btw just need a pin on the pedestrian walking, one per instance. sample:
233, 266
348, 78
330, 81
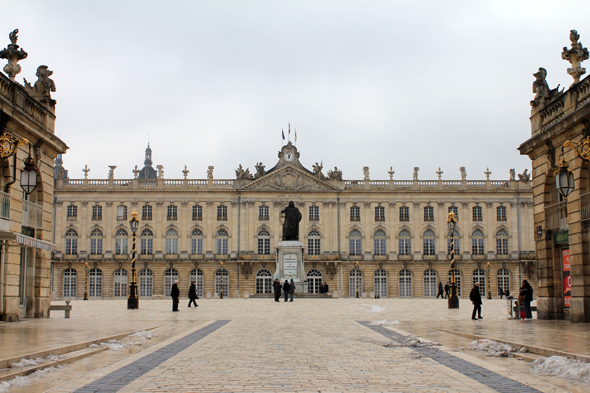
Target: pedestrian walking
440, 291
291, 290
277, 287
526, 292
174, 294
286, 289
475, 298
322, 288
447, 289
192, 294
326, 288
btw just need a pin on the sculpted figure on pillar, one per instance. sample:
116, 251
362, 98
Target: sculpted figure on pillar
576, 55
13, 55
291, 225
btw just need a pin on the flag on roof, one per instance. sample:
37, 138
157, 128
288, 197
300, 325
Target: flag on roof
283, 132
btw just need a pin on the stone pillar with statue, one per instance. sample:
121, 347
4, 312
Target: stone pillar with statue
290, 250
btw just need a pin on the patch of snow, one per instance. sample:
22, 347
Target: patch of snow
492, 348
18, 382
413, 341
574, 370
384, 323
36, 362
143, 335
374, 308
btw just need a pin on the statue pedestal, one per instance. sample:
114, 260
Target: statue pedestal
290, 263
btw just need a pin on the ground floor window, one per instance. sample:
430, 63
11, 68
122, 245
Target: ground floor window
121, 283
355, 282
479, 276
70, 283
95, 283
264, 281
170, 276
503, 280
197, 277
381, 283
146, 283
429, 283
314, 281
222, 282
405, 283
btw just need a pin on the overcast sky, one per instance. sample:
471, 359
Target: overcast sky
365, 83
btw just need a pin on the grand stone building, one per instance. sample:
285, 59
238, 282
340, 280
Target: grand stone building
28, 147
386, 237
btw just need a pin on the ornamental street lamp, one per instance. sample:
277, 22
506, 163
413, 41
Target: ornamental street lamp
86, 271
564, 179
453, 301
28, 176
133, 299
356, 277
221, 269
489, 266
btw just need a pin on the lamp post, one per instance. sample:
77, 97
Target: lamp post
489, 266
564, 179
28, 176
133, 299
86, 271
221, 269
356, 277
453, 301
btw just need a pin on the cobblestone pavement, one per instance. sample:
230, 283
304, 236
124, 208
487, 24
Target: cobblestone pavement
310, 345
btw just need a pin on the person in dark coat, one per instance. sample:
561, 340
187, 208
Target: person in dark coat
322, 288
286, 288
175, 293
440, 291
192, 294
277, 287
526, 291
291, 289
475, 298
447, 290
326, 288
291, 225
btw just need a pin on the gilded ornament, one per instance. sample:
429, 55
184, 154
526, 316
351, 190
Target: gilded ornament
581, 148
9, 144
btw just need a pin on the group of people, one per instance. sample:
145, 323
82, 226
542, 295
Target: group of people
447, 289
288, 289
175, 294
324, 288
525, 297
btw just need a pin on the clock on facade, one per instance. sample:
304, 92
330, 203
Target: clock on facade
289, 157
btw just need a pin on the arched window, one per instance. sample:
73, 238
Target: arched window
456, 243
264, 281
457, 281
429, 283
221, 241
264, 242
222, 282
170, 275
355, 243
171, 242
146, 283
502, 242
405, 242
314, 280
196, 242
313, 243
197, 276
71, 242
95, 283
479, 275
147, 242
477, 242
380, 242
503, 280
429, 243
405, 283
70, 283
95, 242
120, 283
355, 282
381, 283
121, 241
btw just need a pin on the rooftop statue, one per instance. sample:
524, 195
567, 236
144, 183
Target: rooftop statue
243, 174
291, 225
43, 87
366, 173
576, 55
317, 170
541, 89
335, 174
210, 169
259, 170
13, 55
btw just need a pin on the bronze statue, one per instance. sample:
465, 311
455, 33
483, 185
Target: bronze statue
291, 225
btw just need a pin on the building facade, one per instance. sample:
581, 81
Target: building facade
560, 143
389, 238
28, 148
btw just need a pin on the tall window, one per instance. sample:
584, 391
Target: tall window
501, 213
477, 242
147, 242
222, 282
405, 283
70, 281
457, 280
95, 242
477, 213
221, 240
95, 283
314, 280
381, 283
196, 242
502, 242
96, 213
313, 243
503, 280
379, 213
263, 213
314, 213
221, 213
197, 213
72, 212
380, 242
121, 213
264, 242
355, 213
146, 213
455, 210
146, 283
171, 242
404, 213
479, 275
429, 242
197, 276
172, 213
121, 283
355, 243
405, 242
121, 241
355, 282
264, 281
170, 275
428, 213
71, 242
456, 243
429, 283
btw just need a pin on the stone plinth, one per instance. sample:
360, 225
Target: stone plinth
290, 263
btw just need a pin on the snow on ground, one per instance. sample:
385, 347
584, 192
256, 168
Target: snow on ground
384, 323
373, 307
143, 335
36, 362
573, 370
136, 338
18, 382
492, 348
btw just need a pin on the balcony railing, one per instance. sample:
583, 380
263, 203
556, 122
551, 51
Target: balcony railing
556, 215
4, 206
32, 215
198, 218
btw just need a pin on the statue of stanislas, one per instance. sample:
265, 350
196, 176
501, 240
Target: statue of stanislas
291, 225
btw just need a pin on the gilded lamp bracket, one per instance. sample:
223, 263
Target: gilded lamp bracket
9, 144
581, 148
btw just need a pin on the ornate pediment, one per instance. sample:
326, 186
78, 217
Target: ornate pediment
288, 178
